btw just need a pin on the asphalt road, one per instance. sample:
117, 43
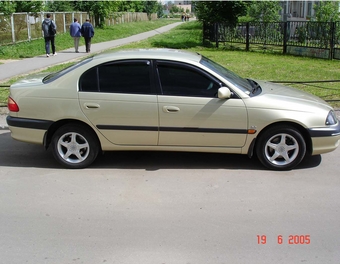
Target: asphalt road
151, 207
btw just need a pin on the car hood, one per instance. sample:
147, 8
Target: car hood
289, 96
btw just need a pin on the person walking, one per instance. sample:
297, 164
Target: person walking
75, 33
87, 32
49, 29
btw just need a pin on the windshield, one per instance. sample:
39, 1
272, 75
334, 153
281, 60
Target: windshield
53, 76
233, 78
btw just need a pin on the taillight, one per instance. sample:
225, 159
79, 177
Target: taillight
12, 105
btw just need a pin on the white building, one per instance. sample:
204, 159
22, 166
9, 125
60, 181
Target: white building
186, 5
298, 10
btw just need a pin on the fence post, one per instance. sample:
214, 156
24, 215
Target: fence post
42, 16
12, 25
216, 33
285, 38
64, 22
28, 27
332, 40
247, 36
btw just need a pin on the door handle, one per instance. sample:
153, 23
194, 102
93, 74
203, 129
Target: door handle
170, 109
91, 105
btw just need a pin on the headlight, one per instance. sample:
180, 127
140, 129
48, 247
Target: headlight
331, 119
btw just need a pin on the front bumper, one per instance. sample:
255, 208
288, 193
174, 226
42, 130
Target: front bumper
325, 139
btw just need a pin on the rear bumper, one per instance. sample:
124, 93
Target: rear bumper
28, 123
28, 130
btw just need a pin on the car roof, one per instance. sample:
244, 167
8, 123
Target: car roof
173, 54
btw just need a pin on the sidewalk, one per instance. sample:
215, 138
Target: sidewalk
14, 68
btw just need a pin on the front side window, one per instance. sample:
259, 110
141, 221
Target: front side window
232, 77
180, 80
132, 77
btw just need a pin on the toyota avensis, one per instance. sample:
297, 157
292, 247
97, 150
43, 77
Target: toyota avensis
167, 100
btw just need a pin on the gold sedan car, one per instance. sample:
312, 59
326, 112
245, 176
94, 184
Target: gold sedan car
167, 100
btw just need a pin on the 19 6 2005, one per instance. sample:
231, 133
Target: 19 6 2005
291, 239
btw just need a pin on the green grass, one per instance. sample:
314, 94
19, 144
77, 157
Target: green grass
3, 96
257, 65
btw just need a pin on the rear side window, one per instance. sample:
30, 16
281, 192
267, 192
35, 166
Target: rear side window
89, 81
131, 77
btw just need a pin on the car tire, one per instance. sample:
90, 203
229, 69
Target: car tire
75, 146
281, 148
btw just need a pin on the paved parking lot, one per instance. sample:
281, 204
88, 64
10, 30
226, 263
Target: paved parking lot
160, 207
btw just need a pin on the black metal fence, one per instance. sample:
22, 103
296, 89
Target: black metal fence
311, 39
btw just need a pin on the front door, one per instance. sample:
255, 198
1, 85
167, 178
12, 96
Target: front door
191, 114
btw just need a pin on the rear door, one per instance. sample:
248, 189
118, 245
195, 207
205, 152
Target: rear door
119, 100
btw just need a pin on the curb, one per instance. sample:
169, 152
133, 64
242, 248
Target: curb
3, 115
3, 123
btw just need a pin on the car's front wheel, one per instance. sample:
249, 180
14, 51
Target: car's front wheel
281, 148
74, 146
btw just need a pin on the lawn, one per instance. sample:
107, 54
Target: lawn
258, 65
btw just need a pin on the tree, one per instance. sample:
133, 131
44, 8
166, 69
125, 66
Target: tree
7, 7
175, 9
264, 11
98, 9
327, 11
59, 6
150, 7
131, 6
28, 6
160, 9
220, 11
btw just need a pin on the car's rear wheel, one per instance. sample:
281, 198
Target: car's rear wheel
74, 146
281, 148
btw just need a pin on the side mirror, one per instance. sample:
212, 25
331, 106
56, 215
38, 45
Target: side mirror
224, 93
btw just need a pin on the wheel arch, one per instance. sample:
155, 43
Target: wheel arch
56, 125
303, 131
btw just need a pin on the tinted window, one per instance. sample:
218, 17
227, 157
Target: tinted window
232, 77
186, 81
89, 81
122, 77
